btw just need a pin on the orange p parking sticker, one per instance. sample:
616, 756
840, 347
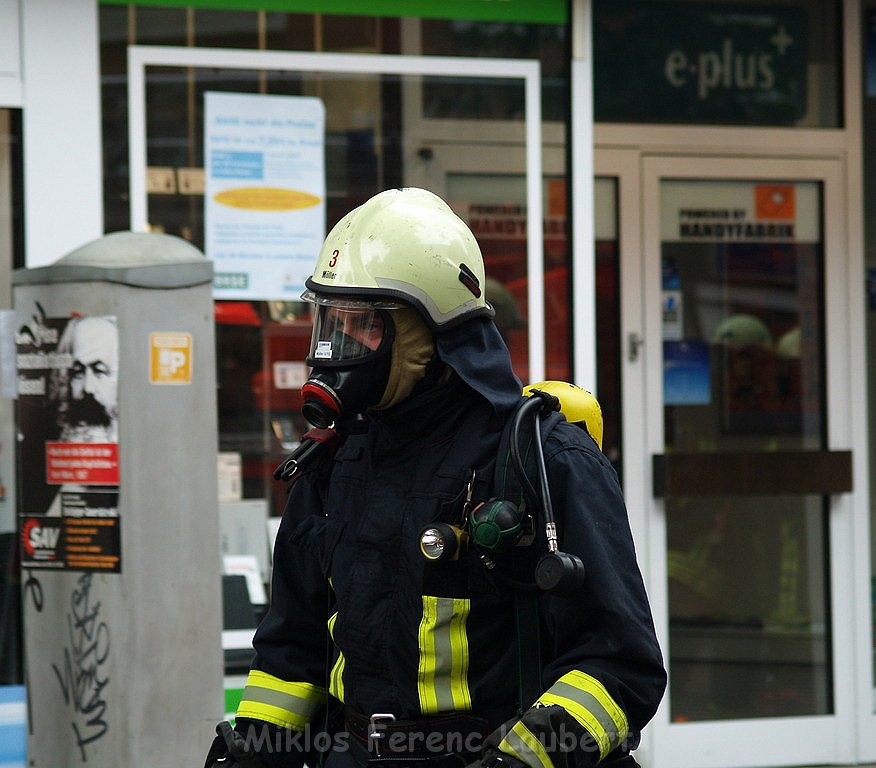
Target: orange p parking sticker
170, 358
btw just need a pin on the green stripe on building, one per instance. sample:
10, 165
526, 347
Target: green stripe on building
526, 11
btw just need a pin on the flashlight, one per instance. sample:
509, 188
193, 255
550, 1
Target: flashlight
440, 541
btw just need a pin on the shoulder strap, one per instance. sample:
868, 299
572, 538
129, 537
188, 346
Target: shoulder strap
507, 484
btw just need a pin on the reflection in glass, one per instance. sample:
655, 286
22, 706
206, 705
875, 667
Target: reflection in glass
744, 372
461, 37
494, 207
608, 348
261, 346
748, 607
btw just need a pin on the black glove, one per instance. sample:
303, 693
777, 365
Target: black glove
493, 758
230, 750
553, 726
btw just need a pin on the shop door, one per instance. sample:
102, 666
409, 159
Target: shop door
739, 370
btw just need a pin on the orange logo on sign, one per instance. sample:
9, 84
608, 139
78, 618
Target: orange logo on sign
774, 201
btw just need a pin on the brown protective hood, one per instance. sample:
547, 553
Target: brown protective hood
412, 349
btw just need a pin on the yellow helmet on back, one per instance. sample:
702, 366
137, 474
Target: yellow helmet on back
578, 405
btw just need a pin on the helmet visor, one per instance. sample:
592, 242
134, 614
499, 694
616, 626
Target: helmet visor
346, 334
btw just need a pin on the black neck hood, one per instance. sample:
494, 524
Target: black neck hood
475, 351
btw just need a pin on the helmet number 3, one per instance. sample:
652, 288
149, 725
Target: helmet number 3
334, 259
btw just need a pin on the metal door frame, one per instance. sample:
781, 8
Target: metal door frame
528, 71
842, 736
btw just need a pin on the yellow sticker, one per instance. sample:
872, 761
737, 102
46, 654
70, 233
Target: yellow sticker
170, 358
266, 199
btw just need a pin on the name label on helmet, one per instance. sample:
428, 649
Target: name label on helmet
328, 274
323, 350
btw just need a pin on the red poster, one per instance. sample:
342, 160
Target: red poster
90, 464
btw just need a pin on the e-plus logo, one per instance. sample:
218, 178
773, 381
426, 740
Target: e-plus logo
727, 68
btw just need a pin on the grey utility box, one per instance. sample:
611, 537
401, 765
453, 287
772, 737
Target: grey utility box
118, 506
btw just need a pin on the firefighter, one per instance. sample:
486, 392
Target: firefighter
372, 652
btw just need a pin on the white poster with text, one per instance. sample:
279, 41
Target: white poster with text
264, 199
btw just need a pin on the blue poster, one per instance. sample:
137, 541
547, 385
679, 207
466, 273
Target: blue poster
686, 373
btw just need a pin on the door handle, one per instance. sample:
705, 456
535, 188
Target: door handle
634, 344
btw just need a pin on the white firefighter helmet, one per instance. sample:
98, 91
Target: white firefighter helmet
742, 329
404, 244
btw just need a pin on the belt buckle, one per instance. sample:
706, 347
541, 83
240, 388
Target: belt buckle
374, 732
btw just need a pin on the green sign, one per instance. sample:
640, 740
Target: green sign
699, 62
528, 11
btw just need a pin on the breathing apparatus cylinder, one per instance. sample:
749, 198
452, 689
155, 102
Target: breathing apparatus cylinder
578, 405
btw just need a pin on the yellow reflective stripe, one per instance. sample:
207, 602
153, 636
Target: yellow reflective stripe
459, 653
442, 674
426, 669
336, 679
302, 690
276, 715
331, 624
521, 743
586, 699
283, 703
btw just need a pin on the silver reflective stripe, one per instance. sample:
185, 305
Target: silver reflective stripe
284, 703
586, 699
442, 676
272, 698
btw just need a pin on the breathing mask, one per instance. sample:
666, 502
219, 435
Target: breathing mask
350, 357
